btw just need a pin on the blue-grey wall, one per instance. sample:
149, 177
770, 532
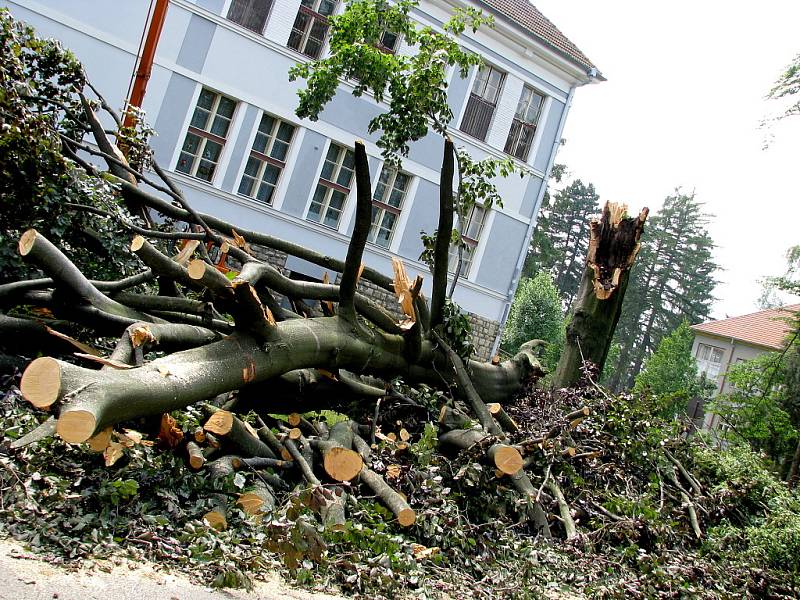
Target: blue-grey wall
240, 149
196, 43
549, 134
424, 215
169, 123
214, 6
374, 173
505, 240
303, 174
457, 93
528, 203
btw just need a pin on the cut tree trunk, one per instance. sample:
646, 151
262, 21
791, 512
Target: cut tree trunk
613, 246
99, 399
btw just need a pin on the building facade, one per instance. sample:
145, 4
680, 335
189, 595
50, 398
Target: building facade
221, 103
718, 345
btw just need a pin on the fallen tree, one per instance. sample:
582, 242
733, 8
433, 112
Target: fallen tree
198, 335
143, 377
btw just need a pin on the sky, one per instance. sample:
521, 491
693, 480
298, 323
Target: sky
682, 107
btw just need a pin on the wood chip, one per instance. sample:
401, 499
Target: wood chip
113, 453
169, 433
85, 348
115, 364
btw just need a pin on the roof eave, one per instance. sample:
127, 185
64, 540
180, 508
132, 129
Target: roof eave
588, 72
721, 336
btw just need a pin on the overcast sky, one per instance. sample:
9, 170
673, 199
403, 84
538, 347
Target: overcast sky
682, 107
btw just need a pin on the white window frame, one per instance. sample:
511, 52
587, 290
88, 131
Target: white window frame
705, 366
265, 158
521, 124
312, 12
470, 251
331, 186
383, 206
479, 102
205, 135
227, 10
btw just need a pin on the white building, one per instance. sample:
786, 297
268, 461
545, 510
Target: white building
223, 108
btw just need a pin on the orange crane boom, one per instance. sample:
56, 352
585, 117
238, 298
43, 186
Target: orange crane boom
145, 66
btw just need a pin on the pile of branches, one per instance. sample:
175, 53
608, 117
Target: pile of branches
186, 333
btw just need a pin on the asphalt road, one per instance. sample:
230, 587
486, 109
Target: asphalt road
25, 577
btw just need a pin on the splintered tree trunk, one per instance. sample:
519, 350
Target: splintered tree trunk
613, 246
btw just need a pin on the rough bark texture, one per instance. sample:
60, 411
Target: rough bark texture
613, 246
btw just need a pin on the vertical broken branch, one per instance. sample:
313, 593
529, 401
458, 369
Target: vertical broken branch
355, 251
441, 255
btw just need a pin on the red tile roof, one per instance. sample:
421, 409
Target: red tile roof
767, 328
525, 15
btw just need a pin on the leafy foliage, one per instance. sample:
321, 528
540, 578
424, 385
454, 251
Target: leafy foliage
39, 99
414, 87
536, 315
671, 371
759, 409
788, 86
456, 330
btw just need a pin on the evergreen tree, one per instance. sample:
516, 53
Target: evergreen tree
672, 280
561, 239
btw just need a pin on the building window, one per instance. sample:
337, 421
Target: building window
311, 26
267, 159
709, 361
333, 187
387, 202
482, 102
251, 14
470, 237
206, 135
389, 42
523, 127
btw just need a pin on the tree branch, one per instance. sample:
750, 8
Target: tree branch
355, 251
443, 234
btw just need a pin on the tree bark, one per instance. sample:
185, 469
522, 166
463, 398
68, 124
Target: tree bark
613, 245
443, 234
178, 380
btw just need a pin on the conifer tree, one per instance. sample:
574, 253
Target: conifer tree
673, 280
561, 238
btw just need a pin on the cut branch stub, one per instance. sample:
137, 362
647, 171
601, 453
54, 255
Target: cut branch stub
225, 423
41, 382
507, 459
258, 500
196, 457
221, 422
396, 503
342, 464
209, 277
